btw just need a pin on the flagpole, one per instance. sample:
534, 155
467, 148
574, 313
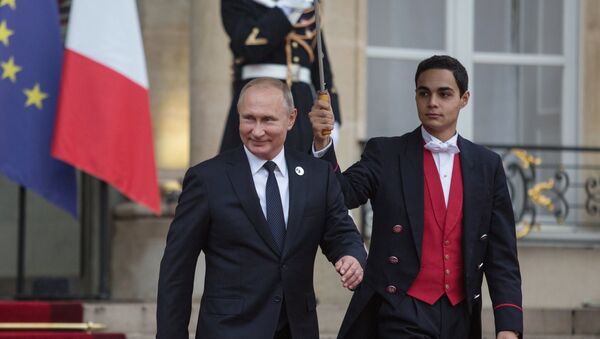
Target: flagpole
21, 242
103, 289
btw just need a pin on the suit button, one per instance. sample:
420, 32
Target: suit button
479, 266
397, 229
294, 44
391, 289
446, 242
393, 260
277, 299
483, 237
284, 267
447, 271
447, 287
446, 257
296, 59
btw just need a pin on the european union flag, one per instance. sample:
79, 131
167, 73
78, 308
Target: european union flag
31, 54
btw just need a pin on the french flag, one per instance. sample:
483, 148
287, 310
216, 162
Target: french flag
103, 124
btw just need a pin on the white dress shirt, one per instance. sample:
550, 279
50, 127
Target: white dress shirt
444, 161
260, 175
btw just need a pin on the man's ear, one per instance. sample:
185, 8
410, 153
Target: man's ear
464, 100
292, 120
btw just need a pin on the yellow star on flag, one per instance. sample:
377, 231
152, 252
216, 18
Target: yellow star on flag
10, 69
5, 33
35, 96
10, 3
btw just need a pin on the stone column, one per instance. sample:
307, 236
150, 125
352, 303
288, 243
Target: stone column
345, 30
166, 34
210, 78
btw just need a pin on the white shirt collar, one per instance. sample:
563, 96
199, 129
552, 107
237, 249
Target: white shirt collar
256, 164
428, 137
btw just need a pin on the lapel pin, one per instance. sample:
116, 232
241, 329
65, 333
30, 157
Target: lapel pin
299, 170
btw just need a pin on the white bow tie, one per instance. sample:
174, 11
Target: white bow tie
441, 147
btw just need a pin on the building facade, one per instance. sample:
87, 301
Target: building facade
534, 67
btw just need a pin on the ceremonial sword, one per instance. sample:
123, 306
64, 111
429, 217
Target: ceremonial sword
322, 93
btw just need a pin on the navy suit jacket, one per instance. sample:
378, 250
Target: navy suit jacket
390, 175
247, 276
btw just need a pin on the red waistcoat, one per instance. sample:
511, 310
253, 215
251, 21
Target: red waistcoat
441, 260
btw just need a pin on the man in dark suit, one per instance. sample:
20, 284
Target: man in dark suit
276, 38
258, 212
442, 218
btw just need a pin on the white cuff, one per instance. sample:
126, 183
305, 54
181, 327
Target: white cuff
321, 153
335, 134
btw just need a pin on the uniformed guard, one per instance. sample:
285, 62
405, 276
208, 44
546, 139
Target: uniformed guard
277, 39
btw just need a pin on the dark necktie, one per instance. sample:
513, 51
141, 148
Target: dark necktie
274, 207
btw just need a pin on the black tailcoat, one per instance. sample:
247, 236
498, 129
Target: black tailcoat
390, 175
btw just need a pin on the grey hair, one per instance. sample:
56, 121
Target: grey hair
288, 100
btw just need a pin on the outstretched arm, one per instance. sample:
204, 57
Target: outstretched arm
359, 182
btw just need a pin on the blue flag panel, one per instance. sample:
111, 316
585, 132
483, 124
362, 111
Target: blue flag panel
31, 54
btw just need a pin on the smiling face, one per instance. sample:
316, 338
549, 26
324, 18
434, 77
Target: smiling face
438, 102
264, 120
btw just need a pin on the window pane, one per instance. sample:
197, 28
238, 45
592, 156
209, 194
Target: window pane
517, 104
407, 23
519, 26
8, 241
53, 240
390, 97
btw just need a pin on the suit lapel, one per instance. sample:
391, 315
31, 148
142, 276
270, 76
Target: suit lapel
471, 176
297, 192
411, 168
243, 185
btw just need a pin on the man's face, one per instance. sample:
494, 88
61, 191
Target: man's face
439, 101
264, 122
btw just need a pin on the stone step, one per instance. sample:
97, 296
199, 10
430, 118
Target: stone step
138, 320
333, 336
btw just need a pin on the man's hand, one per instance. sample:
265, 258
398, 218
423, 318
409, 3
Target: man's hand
507, 335
350, 270
321, 118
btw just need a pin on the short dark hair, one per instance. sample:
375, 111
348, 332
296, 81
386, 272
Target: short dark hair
449, 63
286, 93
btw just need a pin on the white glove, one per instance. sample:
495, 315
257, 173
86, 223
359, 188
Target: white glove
293, 8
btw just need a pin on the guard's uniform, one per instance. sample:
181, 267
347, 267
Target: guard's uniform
265, 44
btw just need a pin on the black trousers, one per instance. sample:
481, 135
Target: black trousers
411, 318
283, 333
